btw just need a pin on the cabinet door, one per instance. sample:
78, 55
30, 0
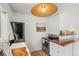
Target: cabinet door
76, 49
59, 50
52, 49
68, 50
52, 52
56, 50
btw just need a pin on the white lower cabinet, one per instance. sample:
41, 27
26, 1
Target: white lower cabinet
68, 50
76, 49
58, 50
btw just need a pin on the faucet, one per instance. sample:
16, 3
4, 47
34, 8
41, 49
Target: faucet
11, 40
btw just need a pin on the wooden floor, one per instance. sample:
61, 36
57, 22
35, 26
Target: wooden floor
1, 53
35, 53
38, 53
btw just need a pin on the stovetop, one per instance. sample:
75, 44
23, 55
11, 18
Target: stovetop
48, 39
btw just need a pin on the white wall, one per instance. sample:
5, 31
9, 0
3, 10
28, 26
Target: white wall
31, 36
53, 24
69, 16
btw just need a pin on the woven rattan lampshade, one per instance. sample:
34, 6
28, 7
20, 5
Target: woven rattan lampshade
44, 9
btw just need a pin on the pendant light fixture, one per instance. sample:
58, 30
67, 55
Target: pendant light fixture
44, 9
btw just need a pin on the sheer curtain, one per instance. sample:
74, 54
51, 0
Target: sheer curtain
5, 31
5, 25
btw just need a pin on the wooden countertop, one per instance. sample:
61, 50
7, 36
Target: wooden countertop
19, 49
20, 52
64, 42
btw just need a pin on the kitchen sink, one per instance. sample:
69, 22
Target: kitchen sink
8, 50
17, 45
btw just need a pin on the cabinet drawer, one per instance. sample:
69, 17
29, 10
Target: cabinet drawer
56, 50
68, 50
60, 52
76, 54
53, 53
54, 45
56, 53
76, 51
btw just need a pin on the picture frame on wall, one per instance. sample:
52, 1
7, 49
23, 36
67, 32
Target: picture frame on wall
40, 27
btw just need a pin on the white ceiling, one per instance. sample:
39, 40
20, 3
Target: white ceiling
26, 7
21, 7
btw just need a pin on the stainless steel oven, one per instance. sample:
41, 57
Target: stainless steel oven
46, 42
45, 45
